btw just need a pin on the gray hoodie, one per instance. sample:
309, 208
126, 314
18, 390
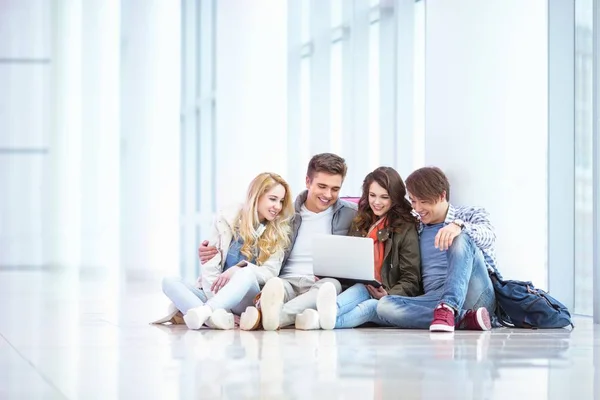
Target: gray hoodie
343, 214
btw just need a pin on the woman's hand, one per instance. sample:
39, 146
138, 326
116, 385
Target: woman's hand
377, 293
223, 279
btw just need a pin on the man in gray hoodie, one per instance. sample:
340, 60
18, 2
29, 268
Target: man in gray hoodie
318, 211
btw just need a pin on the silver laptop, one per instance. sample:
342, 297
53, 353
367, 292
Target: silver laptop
346, 258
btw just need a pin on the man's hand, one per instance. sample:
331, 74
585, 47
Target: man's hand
446, 235
223, 279
377, 293
206, 252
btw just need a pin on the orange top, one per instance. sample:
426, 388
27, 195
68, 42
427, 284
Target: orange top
379, 246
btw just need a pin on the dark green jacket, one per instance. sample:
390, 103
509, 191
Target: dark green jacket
401, 269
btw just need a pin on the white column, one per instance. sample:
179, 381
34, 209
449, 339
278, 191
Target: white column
487, 119
101, 48
596, 174
25, 75
356, 148
406, 84
390, 22
150, 131
251, 94
320, 77
62, 181
295, 162
561, 151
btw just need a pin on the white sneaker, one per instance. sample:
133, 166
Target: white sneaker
308, 320
197, 316
327, 305
221, 319
271, 301
250, 319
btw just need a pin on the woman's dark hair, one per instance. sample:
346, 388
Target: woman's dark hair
399, 213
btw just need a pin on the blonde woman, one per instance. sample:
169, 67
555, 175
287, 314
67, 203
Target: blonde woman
251, 240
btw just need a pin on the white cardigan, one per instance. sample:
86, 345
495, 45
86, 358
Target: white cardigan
221, 237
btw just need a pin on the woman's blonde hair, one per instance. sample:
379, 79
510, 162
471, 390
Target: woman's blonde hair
276, 235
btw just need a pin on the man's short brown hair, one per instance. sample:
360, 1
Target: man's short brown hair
329, 163
428, 183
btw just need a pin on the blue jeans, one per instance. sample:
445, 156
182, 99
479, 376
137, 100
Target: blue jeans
236, 295
356, 307
467, 286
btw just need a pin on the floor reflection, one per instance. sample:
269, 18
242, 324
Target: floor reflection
75, 336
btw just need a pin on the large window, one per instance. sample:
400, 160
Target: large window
305, 108
374, 93
197, 129
419, 86
342, 53
584, 239
337, 92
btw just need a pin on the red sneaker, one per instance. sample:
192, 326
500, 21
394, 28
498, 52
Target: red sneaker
476, 320
443, 319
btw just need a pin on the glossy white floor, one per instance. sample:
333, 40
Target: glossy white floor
87, 337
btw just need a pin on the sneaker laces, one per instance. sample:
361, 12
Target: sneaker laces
444, 314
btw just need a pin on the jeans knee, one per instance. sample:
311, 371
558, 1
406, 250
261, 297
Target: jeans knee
245, 274
335, 282
461, 244
245, 278
369, 306
385, 307
360, 286
168, 283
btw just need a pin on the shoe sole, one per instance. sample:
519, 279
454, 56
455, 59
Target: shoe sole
193, 321
223, 320
250, 319
327, 306
441, 328
271, 302
307, 321
483, 319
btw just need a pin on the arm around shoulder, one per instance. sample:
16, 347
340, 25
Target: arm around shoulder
211, 270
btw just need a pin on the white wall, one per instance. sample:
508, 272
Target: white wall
251, 94
486, 118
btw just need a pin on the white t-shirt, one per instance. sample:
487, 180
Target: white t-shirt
300, 262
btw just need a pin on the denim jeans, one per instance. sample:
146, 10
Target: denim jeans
183, 294
467, 286
236, 295
356, 307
